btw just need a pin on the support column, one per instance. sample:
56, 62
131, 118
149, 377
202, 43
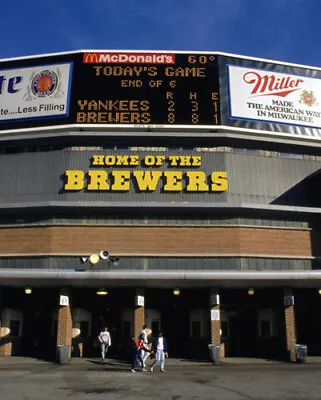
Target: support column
290, 328
215, 319
215, 316
64, 325
139, 312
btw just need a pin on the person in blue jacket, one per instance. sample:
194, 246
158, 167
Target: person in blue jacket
138, 347
159, 347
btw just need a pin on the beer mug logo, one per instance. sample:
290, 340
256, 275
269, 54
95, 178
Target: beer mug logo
44, 83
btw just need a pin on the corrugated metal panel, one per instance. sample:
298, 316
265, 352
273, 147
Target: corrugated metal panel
253, 178
158, 263
261, 179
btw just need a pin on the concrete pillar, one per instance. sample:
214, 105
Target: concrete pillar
215, 316
290, 328
64, 325
139, 312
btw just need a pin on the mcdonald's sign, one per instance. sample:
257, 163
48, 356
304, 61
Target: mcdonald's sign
129, 58
91, 58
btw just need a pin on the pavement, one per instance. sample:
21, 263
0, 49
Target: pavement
174, 362
234, 379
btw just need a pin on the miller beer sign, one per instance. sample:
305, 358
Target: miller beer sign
274, 97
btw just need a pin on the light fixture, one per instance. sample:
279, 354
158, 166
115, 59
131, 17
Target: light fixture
28, 290
103, 255
114, 260
319, 291
176, 292
94, 258
250, 292
102, 292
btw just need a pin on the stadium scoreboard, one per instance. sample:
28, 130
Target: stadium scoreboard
148, 89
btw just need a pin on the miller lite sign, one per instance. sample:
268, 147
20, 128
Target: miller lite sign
35, 92
270, 96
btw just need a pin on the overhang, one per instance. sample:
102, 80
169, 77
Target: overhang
162, 279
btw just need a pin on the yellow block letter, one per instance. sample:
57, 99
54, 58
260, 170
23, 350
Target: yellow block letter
173, 181
196, 182
98, 180
98, 160
121, 181
147, 180
75, 180
219, 181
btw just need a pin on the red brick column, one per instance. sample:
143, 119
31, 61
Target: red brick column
215, 324
139, 314
215, 318
290, 327
64, 325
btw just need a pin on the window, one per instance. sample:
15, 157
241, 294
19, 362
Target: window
14, 327
155, 327
196, 329
267, 323
265, 328
55, 328
224, 328
126, 329
84, 328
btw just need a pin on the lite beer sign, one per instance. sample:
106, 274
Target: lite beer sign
149, 179
274, 97
35, 92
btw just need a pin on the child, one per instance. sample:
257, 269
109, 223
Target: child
138, 347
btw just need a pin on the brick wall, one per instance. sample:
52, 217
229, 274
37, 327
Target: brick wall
157, 240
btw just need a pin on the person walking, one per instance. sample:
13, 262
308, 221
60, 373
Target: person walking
144, 335
160, 348
105, 342
138, 348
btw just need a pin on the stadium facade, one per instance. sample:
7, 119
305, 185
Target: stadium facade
183, 186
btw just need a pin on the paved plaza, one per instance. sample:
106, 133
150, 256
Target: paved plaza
29, 379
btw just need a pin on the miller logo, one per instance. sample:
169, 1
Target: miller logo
44, 83
271, 84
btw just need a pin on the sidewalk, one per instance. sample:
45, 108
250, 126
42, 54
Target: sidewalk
174, 362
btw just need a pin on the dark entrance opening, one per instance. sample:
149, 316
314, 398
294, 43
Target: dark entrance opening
32, 329
183, 335
307, 306
254, 324
105, 310
40, 328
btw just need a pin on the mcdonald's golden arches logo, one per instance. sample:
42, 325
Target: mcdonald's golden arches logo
91, 58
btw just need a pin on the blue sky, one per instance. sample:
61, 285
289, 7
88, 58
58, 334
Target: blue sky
285, 30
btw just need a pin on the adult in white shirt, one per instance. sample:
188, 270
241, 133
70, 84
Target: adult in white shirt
143, 335
105, 341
